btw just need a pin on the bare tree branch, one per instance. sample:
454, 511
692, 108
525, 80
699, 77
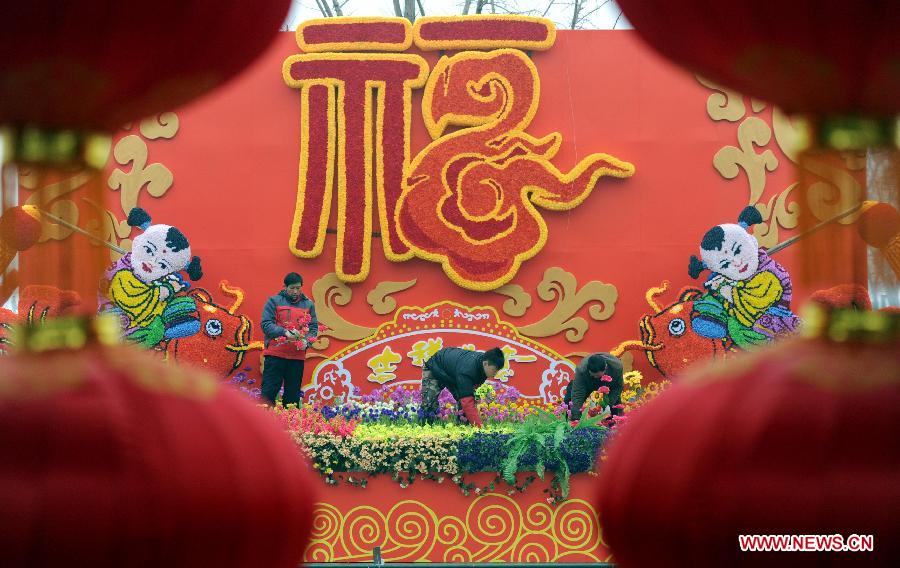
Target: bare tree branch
323, 7
337, 7
421, 8
397, 11
466, 7
550, 5
586, 15
576, 10
409, 10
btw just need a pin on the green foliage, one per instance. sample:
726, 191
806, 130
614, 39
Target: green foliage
539, 440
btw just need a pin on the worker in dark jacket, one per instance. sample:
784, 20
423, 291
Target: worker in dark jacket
595, 371
290, 325
460, 371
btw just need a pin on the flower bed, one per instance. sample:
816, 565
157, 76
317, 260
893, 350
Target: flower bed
381, 434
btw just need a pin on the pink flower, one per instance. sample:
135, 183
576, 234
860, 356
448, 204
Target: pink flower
604, 389
619, 406
606, 379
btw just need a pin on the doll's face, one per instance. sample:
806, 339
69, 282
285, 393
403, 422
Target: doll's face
738, 259
153, 258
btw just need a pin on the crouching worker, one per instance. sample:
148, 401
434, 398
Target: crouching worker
460, 371
592, 374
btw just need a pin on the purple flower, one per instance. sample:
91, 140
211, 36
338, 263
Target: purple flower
508, 394
400, 396
445, 397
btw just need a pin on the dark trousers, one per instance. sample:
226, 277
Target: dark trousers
278, 371
430, 390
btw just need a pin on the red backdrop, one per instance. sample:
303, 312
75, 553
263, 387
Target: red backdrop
235, 158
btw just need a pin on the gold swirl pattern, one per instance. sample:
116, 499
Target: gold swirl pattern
780, 213
519, 300
838, 191
106, 226
493, 528
163, 125
47, 197
155, 177
563, 286
363, 529
329, 291
414, 528
539, 548
457, 554
538, 517
319, 551
380, 298
110, 229
752, 133
575, 525
723, 104
829, 188
326, 522
451, 530
495, 524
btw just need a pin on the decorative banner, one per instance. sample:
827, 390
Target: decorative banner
397, 350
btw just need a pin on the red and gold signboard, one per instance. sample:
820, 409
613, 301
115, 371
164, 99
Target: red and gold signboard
396, 352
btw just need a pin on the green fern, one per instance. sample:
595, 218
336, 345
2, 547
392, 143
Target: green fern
544, 434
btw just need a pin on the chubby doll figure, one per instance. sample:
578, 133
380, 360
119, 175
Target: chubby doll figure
142, 287
748, 297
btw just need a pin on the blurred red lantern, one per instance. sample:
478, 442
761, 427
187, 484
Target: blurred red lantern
112, 458
823, 58
20, 229
799, 439
879, 226
73, 72
96, 64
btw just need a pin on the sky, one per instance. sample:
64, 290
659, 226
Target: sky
603, 14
